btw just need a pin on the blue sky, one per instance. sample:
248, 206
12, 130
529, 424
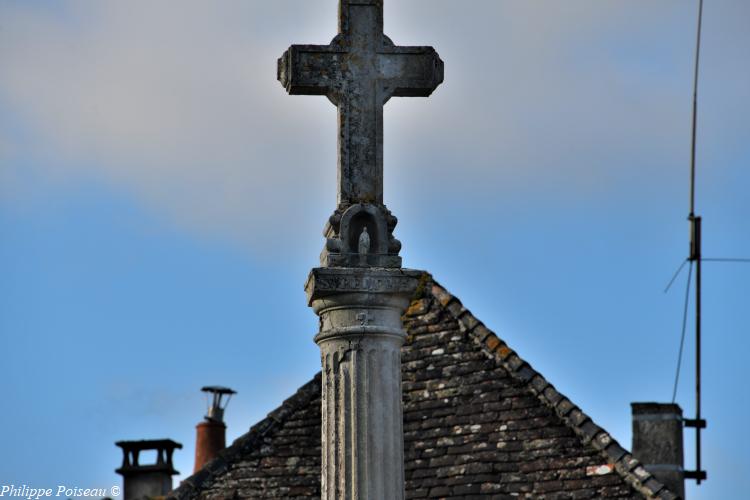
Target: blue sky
162, 200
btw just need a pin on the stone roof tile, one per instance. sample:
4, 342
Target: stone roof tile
629, 468
479, 422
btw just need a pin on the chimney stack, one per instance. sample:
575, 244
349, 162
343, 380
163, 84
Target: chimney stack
142, 481
657, 442
210, 436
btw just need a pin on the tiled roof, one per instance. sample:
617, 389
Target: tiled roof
479, 421
294, 429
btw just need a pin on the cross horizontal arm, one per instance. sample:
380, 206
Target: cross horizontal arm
310, 69
410, 71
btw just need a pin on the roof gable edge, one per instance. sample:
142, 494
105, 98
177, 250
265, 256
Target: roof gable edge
191, 486
627, 466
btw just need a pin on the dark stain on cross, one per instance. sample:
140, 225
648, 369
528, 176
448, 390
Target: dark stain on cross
359, 71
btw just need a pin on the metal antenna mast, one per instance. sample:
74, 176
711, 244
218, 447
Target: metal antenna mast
695, 257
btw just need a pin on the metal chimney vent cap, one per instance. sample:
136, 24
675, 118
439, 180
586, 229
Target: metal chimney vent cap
217, 389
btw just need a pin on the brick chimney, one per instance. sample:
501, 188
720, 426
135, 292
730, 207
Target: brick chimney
142, 481
210, 436
657, 442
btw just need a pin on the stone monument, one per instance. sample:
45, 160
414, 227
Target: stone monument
360, 291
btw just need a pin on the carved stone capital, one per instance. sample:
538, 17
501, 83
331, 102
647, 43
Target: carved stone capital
370, 285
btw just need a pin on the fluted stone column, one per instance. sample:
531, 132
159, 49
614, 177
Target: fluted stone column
360, 341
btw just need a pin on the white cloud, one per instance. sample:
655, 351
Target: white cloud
177, 103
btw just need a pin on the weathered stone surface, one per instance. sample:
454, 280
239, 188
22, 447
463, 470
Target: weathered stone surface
344, 229
468, 421
378, 283
360, 312
657, 442
360, 341
359, 71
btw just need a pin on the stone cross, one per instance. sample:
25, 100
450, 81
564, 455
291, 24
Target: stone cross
360, 291
359, 71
